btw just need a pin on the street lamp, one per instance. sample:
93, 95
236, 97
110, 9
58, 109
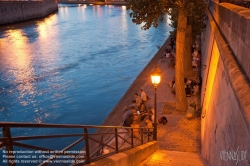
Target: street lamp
156, 78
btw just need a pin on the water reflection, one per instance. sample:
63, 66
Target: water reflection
72, 66
64, 11
43, 27
97, 9
20, 62
23, 52
124, 19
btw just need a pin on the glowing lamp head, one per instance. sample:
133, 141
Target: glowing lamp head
156, 76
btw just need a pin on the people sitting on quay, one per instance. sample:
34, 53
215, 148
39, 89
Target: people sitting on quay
191, 88
173, 43
171, 83
143, 111
129, 120
173, 88
135, 125
132, 110
143, 95
134, 103
196, 60
138, 100
169, 51
131, 116
149, 124
151, 114
166, 54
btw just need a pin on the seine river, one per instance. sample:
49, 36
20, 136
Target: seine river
73, 66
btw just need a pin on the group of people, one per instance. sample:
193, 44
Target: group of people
192, 86
138, 114
170, 53
196, 60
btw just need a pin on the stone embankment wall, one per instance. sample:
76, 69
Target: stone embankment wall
225, 96
16, 11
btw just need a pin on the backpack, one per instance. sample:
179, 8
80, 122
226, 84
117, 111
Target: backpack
163, 120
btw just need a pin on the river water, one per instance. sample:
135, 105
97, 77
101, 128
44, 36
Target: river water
73, 66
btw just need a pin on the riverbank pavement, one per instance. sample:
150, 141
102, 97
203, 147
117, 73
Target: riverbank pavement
180, 139
179, 134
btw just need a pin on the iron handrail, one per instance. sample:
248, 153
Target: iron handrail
94, 143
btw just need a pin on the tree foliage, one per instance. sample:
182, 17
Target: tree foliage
149, 12
196, 14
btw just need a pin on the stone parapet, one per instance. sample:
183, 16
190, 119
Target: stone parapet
234, 24
130, 157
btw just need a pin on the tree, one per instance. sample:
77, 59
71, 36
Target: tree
181, 101
150, 12
195, 24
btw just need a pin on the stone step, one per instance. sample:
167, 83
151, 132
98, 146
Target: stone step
174, 158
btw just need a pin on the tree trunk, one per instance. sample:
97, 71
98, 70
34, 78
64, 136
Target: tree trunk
181, 100
188, 70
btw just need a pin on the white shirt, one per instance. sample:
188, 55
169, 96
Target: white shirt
143, 96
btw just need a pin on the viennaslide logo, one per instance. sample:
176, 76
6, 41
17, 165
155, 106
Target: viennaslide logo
234, 155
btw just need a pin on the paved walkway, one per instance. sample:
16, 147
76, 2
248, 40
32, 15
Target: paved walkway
180, 133
179, 140
174, 158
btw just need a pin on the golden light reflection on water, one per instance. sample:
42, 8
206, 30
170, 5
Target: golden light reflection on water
44, 27
64, 11
19, 61
124, 19
16, 52
98, 10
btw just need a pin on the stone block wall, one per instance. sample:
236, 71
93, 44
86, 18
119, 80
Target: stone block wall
16, 11
234, 23
225, 128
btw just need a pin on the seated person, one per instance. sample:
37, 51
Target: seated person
143, 96
136, 117
135, 103
171, 83
138, 100
151, 115
129, 120
143, 111
149, 125
131, 111
135, 127
168, 55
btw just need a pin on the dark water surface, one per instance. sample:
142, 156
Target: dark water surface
73, 66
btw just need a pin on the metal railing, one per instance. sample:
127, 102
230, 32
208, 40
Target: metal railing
105, 141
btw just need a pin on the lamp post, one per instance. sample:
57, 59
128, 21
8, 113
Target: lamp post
156, 78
